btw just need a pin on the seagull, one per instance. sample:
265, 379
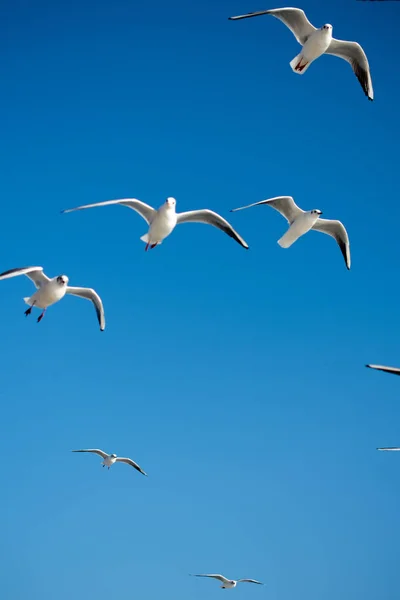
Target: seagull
110, 459
163, 221
316, 42
394, 370
51, 291
301, 221
228, 584
389, 449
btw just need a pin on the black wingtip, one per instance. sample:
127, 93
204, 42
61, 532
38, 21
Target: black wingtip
368, 366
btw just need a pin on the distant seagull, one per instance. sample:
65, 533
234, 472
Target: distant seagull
300, 222
316, 42
163, 221
393, 370
110, 459
230, 583
389, 449
51, 291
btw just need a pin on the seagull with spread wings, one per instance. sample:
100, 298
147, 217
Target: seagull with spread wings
164, 220
228, 584
316, 42
50, 291
110, 459
301, 221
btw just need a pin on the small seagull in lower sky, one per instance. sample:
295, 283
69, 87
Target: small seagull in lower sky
163, 221
228, 584
394, 370
110, 459
50, 291
301, 221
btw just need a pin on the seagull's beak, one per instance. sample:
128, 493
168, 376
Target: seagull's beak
320, 213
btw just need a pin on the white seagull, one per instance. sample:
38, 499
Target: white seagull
389, 449
163, 221
110, 459
228, 584
301, 221
51, 291
316, 42
394, 370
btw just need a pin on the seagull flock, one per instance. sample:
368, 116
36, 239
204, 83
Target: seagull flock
162, 221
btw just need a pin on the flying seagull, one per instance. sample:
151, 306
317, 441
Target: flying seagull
316, 42
394, 370
389, 449
230, 583
110, 459
163, 221
50, 291
301, 221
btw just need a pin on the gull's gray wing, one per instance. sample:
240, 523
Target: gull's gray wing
394, 370
390, 449
144, 210
211, 218
132, 463
219, 577
251, 581
294, 18
336, 230
34, 273
94, 451
91, 295
355, 55
283, 204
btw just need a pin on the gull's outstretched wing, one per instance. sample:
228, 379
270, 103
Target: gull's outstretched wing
283, 204
251, 581
93, 451
219, 577
91, 295
389, 449
294, 18
394, 370
355, 55
336, 230
210, 217
144, 210
132, 463
34, 273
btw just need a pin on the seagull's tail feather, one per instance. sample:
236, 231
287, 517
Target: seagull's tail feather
28, 300
145, 238
299, 64
288, 239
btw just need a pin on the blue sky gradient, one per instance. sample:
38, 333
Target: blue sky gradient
235, 378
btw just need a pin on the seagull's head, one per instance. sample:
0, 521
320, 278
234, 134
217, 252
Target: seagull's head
316, 212
62, 279
113, 456
327, 27
170, 202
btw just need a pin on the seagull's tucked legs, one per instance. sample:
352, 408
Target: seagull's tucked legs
300, 67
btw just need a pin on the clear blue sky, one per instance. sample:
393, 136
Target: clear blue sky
235, 378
